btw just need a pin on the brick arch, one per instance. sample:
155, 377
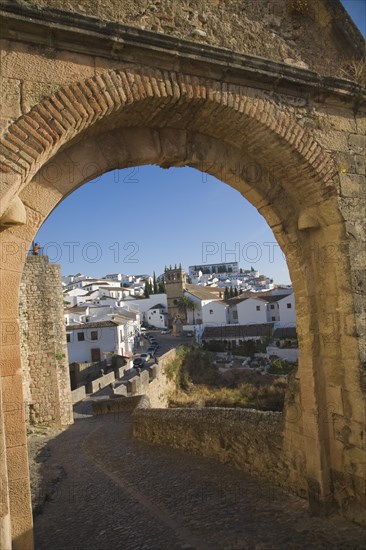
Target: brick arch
116, 96
89, 110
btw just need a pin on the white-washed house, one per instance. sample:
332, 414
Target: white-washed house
93, 342
156, 316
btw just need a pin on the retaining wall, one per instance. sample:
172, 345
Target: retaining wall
250, 440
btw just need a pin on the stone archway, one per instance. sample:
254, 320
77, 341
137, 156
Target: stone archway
136, 116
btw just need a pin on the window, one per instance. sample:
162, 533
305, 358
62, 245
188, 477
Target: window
81, 337
211, 311
258, 308
94, 335
273, 318
289, 306
68, 339
272, 306
235, 315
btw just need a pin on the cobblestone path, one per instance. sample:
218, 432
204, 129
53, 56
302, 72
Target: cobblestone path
107, 491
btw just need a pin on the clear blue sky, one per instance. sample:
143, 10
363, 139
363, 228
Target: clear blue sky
139, 222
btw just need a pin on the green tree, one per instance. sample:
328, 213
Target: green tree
236, 293
155, 285
226, 293
147, 289
231, 292
186, 304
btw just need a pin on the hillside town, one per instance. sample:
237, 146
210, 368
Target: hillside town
218, 303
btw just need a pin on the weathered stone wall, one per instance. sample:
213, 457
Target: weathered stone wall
293, 31
250, 440
46, 380
160, 387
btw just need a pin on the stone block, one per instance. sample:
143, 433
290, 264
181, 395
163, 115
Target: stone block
352, 185
21, 514
360, 165
14, 416
173, 145
13, 252
29, 64
12, 390
10, 363
10, 98
41, 196
357, 144
9, 289
17, 462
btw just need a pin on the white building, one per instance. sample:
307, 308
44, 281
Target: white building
251, 311
287, 311
90, 342
223, 267
157, 316
144, 304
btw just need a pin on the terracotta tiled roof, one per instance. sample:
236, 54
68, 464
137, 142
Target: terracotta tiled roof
237, 331
285, 332
97, 324
205, 293
76, 309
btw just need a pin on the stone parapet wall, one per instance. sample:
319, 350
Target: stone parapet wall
123, 404
101, 382
78, 395
249, 440
82, 373
153, 382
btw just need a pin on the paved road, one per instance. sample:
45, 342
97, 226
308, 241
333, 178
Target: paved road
109, 492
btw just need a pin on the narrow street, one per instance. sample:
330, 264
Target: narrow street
105, 490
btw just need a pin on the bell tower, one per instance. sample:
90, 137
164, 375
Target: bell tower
175, 284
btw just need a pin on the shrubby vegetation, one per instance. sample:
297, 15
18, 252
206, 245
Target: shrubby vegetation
200, 383
280, 366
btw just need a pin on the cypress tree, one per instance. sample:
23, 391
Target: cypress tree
147, 289
155, 284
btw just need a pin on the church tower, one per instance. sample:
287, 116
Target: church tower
175, 284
